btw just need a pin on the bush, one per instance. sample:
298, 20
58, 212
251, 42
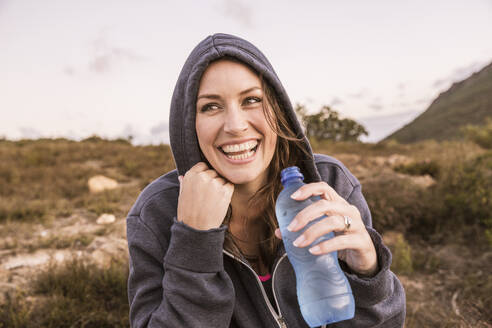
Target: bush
395, 203
419, 168
467, 194
402, 253
75, 294
459, 206
480, 134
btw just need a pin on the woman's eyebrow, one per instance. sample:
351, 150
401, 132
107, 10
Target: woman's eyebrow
212, 96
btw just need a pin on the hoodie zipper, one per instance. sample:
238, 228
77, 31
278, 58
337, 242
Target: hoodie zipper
278, 318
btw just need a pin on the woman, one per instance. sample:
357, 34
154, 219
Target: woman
205, 249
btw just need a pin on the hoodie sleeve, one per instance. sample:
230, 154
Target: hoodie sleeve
379, 300
181, 285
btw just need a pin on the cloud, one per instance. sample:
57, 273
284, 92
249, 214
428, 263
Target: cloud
105, 55
129, 131
4, 4
362, 93
401, 89
422, 101
376, 107
29, 133
100, 64
376, 104
237, 11
160, 128
336, 101
68, 70
459, 74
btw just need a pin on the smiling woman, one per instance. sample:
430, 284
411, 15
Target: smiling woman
204, 244
237, 134
233, 131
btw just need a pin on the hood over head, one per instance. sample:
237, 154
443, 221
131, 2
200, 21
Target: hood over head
182, 132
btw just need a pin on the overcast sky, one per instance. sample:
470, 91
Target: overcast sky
76, 68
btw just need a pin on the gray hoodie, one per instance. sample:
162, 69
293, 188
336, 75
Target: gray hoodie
183, 277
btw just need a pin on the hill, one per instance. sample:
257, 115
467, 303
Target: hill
465, 102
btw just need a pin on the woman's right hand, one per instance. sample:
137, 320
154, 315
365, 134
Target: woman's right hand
204, 198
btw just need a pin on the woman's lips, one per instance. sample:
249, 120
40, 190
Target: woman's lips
243, 157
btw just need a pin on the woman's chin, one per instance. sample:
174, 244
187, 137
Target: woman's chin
241, 178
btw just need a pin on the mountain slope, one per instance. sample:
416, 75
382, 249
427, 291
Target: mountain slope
466, 102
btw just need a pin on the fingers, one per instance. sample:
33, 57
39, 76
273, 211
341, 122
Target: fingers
202, 170
336, 244
320, 208
355, 245
204, 197
198, 167
317, 189
278, 234
323, 227
228, 188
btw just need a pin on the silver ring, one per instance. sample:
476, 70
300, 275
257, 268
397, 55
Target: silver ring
348, 222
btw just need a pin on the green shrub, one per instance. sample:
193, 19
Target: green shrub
402, 256
480, 134
424, 261
419, 168
395, 203
467, 194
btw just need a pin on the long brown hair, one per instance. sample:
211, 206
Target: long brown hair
288, 152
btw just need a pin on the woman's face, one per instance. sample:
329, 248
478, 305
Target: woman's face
232, 129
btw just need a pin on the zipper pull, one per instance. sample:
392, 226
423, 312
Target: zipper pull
282, 323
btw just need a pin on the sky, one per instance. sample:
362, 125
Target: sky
77, 68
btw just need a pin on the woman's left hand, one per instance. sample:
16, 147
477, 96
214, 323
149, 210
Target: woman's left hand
354, 245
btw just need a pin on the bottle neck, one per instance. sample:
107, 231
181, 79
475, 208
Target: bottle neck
289, 181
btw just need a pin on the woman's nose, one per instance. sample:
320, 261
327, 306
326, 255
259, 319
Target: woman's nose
235, 121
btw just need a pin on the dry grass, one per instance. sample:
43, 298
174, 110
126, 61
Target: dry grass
444, 253
45, 179
75, 294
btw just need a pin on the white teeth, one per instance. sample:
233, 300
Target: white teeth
242, 156
239, 147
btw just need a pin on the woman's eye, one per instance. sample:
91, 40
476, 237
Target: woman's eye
252, 100
213, 107
208, 107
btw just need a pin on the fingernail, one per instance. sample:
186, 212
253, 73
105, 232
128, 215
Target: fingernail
299, 241
314, 250
292, 225
180, 178
296, 194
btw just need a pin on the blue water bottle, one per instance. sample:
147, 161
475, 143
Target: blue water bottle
323, 292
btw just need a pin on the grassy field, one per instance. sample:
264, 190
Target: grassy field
431, 201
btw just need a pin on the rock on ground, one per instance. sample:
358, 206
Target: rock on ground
100, 183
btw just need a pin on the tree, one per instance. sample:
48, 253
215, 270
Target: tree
328, 125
